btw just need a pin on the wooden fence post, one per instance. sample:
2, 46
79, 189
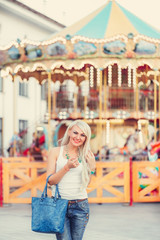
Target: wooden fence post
1, 184
131, 182
6, 182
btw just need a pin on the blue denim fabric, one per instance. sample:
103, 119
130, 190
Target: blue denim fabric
75, 222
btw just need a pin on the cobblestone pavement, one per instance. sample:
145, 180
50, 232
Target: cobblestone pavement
107, 222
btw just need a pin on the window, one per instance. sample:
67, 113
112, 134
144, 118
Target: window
1, 134
23, 125
1, 84
44, 90
23, 89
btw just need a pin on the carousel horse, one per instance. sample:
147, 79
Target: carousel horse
130, 147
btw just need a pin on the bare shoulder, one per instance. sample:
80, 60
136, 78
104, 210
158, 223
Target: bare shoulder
54, 152
52, 158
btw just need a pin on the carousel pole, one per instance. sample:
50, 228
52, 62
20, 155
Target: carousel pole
75, 94
14, 113
35, 100
100, 108
85, 97
49, 108
105, 91
85, 103
137, 97
155, 106
100, 94
54, 103
146, 99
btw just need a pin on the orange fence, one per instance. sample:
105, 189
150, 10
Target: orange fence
146, 181
110, 183
23, 179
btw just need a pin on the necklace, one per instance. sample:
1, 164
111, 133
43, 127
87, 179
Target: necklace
68, 157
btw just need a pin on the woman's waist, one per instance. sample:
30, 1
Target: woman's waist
71, 193
77, 200
67, 188
71, 182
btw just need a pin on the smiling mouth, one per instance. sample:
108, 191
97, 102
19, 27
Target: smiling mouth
76, 141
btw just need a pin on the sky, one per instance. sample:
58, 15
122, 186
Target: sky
68, 12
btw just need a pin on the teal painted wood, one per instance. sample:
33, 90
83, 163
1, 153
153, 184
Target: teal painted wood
96, 28
141, 26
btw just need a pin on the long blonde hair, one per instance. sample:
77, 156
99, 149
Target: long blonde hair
83, 150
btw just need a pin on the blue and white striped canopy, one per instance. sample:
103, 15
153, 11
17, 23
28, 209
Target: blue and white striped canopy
110, 20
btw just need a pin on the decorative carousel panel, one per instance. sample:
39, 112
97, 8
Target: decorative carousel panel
144, 47
150, 115
83, 48
32, 51
14, 53
116, 47
121, 114
89, 114
3, 57
56, 49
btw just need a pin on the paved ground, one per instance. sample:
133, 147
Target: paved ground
107, 222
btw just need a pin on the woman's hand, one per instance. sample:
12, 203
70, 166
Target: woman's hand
72, 163
91, 160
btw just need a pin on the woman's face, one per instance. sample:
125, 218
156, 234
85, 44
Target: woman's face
77, 136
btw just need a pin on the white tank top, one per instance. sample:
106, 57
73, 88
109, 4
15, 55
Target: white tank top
71, 183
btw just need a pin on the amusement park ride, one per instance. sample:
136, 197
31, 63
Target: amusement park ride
104, 69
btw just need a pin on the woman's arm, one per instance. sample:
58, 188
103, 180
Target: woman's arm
51, 167
91, 160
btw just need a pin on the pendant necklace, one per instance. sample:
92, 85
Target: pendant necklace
68, 157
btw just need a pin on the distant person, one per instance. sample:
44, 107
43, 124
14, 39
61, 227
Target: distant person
35, 149
15, 145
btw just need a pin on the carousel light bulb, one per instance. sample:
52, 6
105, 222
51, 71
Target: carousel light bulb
98, 77
139, 125
134, 77
91, 79
107, 131
110, 75
129, 76
119, 76
86, 114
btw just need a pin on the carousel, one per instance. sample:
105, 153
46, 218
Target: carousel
104, 69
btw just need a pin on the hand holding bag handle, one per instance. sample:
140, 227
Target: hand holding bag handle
44, 194
48, 214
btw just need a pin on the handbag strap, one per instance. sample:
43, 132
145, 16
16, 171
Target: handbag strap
57, 194
44, 194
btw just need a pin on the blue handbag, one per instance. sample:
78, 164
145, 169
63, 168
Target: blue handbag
48, 214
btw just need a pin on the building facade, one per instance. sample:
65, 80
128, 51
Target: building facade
22, 104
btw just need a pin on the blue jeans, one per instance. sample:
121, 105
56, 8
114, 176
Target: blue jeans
76, 220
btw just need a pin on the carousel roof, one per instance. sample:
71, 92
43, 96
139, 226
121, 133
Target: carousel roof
112, 32
109, 20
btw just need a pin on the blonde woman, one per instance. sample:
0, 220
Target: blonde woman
72, 165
